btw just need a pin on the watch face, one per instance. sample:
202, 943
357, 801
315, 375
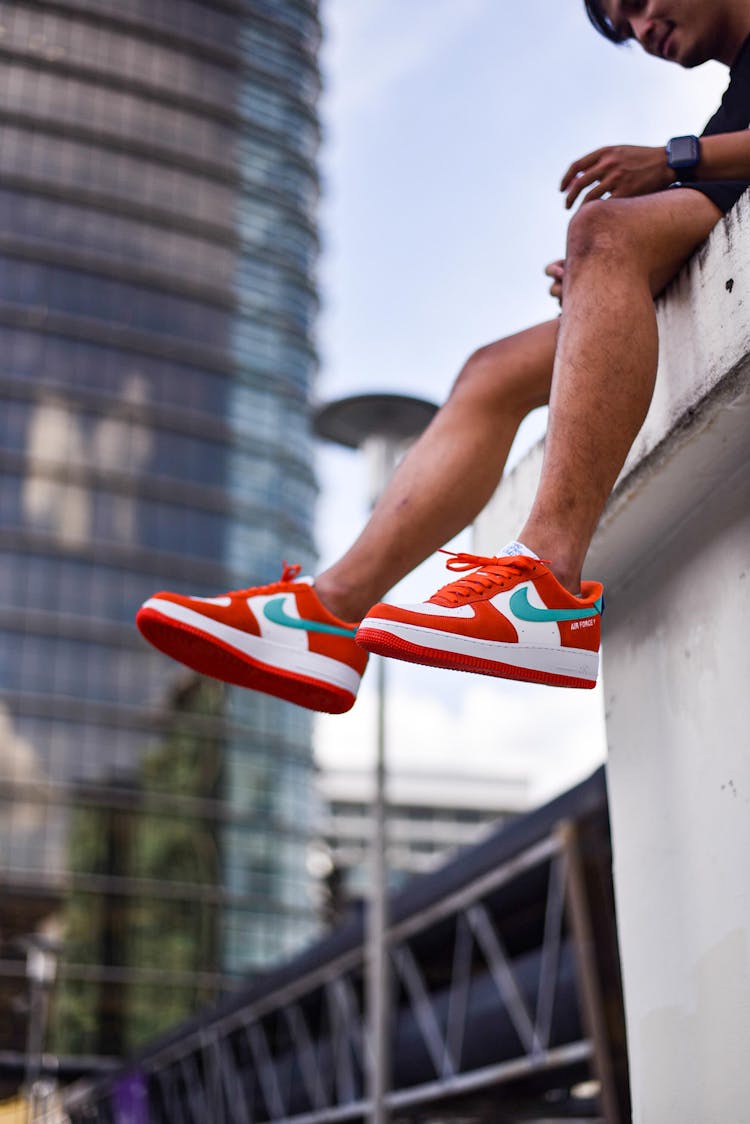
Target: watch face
683, 152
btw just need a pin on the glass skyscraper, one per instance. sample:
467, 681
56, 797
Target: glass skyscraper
158, 197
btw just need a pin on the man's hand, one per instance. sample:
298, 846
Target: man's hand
556, 270
619, 170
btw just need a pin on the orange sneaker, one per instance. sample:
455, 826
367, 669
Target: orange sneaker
276, 638
510, 617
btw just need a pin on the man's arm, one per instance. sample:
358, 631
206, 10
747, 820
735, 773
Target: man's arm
625, 169
724, 156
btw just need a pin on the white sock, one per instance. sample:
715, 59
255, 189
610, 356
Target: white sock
516, 547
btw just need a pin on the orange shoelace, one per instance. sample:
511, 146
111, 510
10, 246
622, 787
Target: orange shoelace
488, 574
288, 574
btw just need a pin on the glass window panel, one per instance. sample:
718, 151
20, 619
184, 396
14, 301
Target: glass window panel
83, 294
111, 372
277, 56
112, 50
69, 162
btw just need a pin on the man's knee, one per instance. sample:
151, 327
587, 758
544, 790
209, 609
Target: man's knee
511, 374
479, 372
600, 228
655, 233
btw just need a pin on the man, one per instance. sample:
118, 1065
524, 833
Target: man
644, 212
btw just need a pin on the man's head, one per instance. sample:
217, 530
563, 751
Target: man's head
688, 32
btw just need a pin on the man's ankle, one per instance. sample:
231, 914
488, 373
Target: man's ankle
345, 606
565, 567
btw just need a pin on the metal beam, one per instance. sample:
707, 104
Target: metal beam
502, 973
305, 1052
458, 999
553, 921
592, 1005
424, 1012
340, 1045
480, 1079
266, 1072
488, 1076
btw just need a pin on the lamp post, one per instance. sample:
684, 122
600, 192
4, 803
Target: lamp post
382, 426
41, 969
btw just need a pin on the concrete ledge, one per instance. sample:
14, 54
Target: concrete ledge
676, 675
697, 432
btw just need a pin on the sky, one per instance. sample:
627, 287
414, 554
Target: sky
447, 127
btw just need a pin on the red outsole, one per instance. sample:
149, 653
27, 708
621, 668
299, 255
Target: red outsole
384, 644
209, 656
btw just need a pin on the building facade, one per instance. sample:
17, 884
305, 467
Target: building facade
158, 195
431, 816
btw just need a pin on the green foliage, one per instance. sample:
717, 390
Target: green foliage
146, 872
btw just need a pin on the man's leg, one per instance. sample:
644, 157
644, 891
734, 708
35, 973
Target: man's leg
450, 472
523, 618
620, 253
291, 640
296, 640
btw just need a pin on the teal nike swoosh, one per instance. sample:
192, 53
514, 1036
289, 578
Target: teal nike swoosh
275, 611
519, 604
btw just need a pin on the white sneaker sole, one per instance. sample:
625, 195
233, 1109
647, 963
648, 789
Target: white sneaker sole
258, 649
564, 667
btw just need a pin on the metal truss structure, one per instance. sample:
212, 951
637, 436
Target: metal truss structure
504, 1004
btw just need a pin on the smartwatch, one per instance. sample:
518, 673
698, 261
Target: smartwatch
683, 156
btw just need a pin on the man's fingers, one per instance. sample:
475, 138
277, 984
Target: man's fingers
579, 183
556, 270
596, 193
578, 166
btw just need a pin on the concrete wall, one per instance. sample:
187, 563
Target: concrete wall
673, 549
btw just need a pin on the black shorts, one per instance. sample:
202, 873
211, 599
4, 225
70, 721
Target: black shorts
724, 193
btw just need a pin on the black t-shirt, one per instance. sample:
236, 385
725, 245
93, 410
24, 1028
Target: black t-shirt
732, 116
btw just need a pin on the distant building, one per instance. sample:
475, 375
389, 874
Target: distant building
430, 817
158, 193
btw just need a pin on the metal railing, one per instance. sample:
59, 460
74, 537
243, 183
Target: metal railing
500, 994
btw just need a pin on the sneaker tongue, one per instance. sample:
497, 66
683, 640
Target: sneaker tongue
517, 547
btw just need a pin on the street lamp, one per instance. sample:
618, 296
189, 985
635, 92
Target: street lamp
382, 426
41, 970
